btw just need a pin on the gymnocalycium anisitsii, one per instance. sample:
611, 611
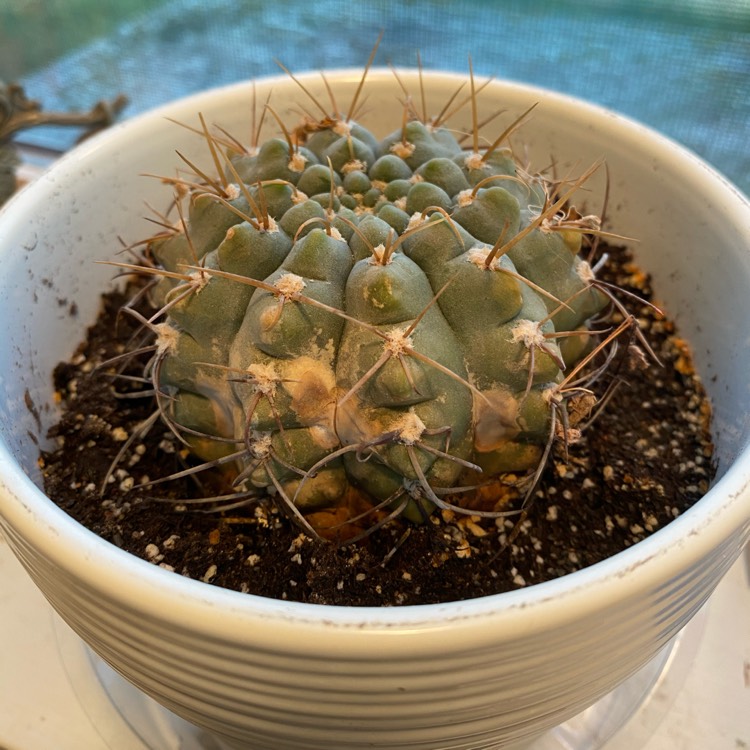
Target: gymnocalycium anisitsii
403, 318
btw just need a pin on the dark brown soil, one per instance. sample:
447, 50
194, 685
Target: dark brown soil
643, 462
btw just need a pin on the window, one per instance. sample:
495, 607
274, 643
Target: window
679, 66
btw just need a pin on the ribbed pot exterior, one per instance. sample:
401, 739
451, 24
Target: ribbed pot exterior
461, 685
474, 675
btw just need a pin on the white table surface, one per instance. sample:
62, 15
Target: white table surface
39, 710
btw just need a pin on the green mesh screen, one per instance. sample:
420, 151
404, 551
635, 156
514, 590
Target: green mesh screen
681, 66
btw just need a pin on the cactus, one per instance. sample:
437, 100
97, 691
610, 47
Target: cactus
402, 318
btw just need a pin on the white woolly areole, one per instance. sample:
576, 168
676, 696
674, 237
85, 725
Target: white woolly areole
260, 444
265, 378
403, 149
378, 253
551, 395
465, 197
379, 185
333, 232
290, 284
355, 165
398, 341
592, 221
585, 271
415, 220
198, 280
415, 178
232, 191
400, 203
475, 161
270, 225
166, 338
529, 332
410, 428
298, 196
297, 162
478, 256
547, 226
342, 128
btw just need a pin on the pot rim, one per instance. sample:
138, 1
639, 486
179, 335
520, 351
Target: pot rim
665, 555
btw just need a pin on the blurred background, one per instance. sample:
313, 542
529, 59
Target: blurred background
680, 66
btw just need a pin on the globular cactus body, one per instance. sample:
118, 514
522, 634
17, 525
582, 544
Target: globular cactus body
389, 315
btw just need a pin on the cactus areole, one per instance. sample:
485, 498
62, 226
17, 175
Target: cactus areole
406, 319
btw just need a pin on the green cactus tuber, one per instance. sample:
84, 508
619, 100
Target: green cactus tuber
403, 318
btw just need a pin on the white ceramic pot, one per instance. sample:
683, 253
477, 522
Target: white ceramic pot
481, 674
